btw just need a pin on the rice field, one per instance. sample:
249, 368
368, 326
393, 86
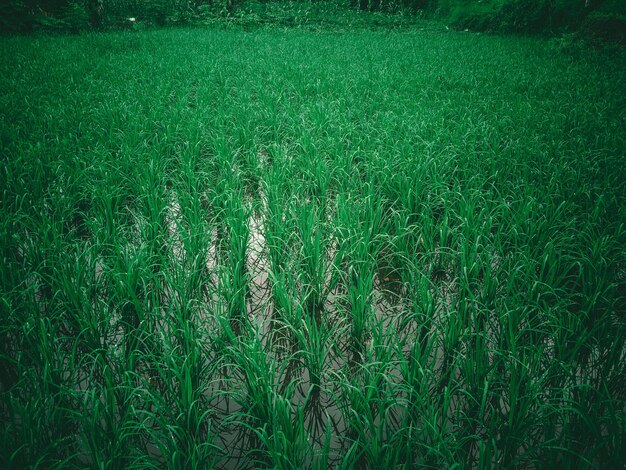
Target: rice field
294, 249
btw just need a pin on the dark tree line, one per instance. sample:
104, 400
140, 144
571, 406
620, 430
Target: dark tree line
603, 17
28, 15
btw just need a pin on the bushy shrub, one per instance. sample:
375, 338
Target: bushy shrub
76, 17
115, 9
528, 16
43, 21
521, 16
463, 14
605, 27
158, 11
14, 17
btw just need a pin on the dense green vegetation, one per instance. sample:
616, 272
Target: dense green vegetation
603, 19
288, 249
597, 19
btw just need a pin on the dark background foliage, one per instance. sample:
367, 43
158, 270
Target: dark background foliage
604, 19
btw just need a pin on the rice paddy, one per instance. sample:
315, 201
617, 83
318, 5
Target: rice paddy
296, 249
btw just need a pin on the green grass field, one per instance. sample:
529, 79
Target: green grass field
290, 249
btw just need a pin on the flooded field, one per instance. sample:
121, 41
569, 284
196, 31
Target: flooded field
224, 249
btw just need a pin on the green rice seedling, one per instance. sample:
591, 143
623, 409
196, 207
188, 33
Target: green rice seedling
183, 422
277, 220
361, 248
370, 414
85, 317
287, 313
235, 279
44, 400
190, 221
106, 418
266, 416
315, 267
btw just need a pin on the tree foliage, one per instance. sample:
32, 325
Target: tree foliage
600, 18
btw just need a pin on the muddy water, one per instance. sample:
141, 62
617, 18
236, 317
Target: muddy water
322, 408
